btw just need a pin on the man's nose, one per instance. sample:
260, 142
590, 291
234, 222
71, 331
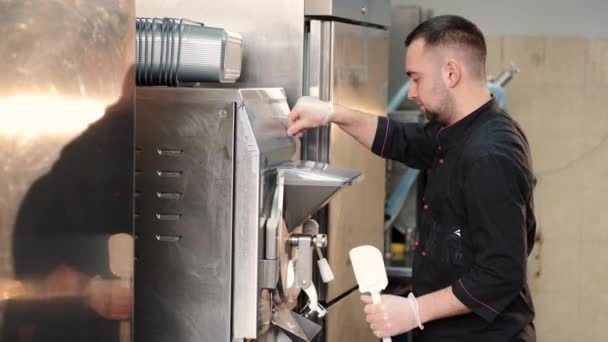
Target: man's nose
411, 93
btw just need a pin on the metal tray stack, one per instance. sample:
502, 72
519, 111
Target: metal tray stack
171, 51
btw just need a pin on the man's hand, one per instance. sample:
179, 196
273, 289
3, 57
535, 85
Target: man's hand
394, 315
309, 112
111, 299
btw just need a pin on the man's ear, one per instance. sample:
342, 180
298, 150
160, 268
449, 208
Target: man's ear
452, 73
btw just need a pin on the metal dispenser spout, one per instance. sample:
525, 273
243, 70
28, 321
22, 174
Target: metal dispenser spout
302, 188
309, 186
296, 327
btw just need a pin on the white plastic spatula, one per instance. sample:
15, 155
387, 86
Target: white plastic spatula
370, 272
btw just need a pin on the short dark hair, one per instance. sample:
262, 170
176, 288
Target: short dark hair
446, 30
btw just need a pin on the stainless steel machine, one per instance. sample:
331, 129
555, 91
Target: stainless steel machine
226, 248
336, 50
219, 201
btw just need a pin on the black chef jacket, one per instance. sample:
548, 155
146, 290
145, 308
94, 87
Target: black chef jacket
477, 224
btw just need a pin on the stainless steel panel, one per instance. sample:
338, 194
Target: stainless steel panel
319, 77
261, 143
345, 321
272, 30
362, 11
185, 151
404, 19
192, 139
267, 111
248, 233
66, 156
357, 78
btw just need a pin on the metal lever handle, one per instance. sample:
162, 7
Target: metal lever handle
305, 242
313, 307
327, 274
303, 264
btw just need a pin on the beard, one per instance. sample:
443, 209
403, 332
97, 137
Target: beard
442, 109
431, 116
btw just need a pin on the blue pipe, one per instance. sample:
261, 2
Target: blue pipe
397, 199
399, 97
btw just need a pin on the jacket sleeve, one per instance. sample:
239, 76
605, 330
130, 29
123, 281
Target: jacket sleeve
413, 144
496, 193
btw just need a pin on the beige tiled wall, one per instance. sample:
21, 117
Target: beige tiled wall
561, 100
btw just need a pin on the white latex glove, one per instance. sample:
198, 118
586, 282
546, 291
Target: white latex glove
309, 112
393, 316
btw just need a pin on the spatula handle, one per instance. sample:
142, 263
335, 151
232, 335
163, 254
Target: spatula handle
376, 299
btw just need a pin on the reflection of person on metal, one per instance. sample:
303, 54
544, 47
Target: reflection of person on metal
477, 225
63, 251
110, 298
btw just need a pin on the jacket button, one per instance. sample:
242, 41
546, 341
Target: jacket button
426, 206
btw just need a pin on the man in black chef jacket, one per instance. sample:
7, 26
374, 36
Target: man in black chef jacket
478, 226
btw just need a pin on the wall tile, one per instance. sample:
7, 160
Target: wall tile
529, 55
557, 317
559, 205
596, 69
494, 62
594, 292
595, 115
552, 118
594, 173
559, 267
564, 62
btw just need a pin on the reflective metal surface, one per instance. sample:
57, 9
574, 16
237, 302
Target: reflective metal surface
309, 186
296, 327
375, 12
198, 273
360, 77
272, 31
185, 151
403, 20
351, 62
171, 51
261, 142
310, 173
285, 320
66, 156
267, 110
248, 233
